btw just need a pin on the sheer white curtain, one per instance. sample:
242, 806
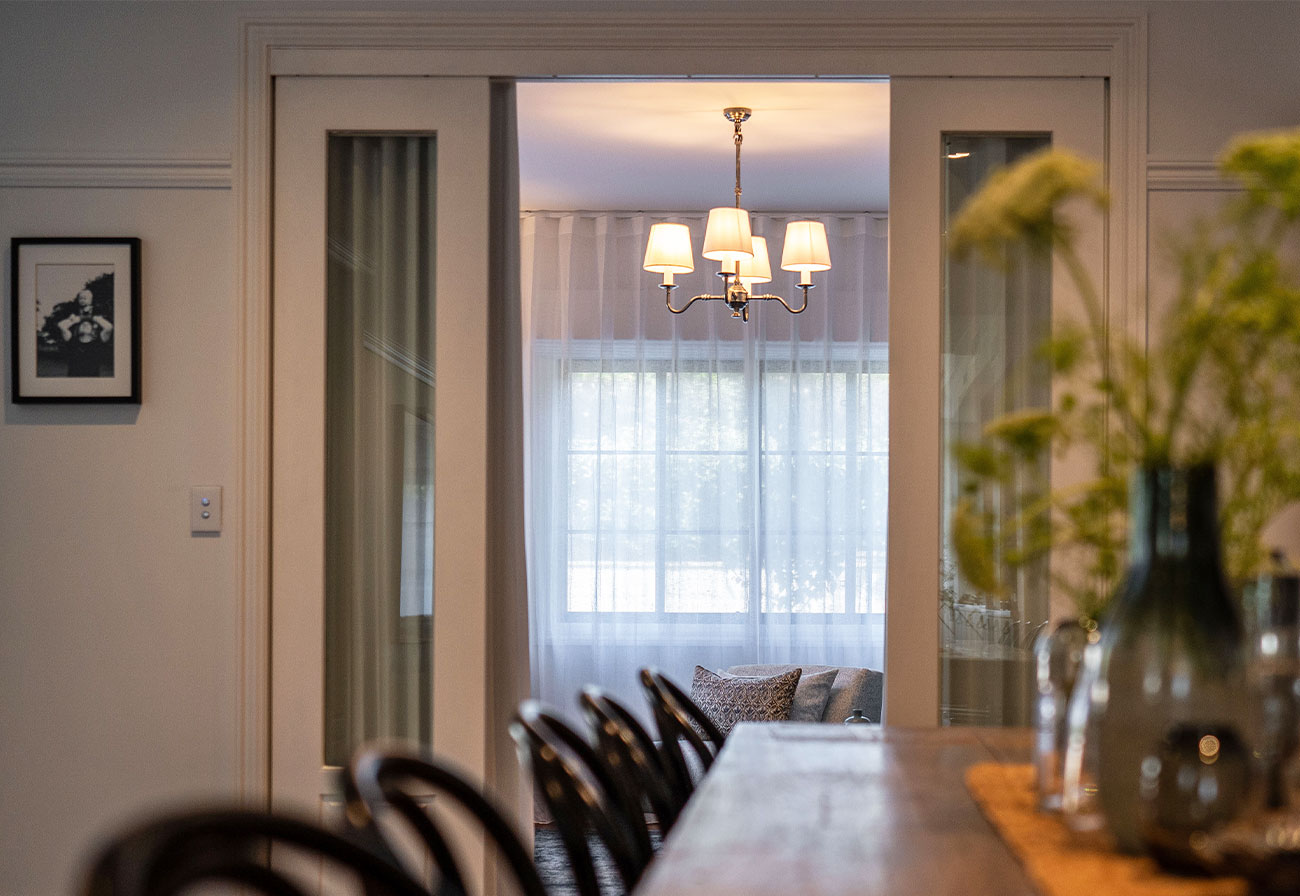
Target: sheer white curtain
701, 490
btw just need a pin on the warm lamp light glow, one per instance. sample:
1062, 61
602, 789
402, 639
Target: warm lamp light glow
805, 247
668, 250
727, 236
757, 269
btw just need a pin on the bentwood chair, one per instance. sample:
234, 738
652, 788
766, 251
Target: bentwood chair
380, 780
182, 850
680, 721
624, 744
582, 798
614, 779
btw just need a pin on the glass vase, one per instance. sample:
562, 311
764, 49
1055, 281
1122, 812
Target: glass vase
1171, 660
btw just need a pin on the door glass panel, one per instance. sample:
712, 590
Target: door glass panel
379, 390
994, 320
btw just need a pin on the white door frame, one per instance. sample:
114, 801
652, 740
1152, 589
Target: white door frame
789, 40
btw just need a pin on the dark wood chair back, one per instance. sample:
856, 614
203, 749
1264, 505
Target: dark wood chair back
624, 744
680, 721
380, 779
176, 851
583, 797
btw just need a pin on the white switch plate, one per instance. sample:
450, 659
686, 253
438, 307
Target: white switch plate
205, 508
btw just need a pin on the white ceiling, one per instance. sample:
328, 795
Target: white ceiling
810, 146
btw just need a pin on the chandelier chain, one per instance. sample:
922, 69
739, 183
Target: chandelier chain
739, 138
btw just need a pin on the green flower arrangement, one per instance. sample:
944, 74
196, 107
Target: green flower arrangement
1220, 383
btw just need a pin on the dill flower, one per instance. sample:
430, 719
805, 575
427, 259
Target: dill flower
1268, 166
1019, 202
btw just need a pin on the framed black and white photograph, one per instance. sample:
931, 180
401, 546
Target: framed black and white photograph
76, 319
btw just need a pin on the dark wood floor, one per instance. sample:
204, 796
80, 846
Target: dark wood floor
553, 864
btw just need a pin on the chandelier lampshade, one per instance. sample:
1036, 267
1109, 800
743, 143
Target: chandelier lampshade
805, 249
668, 251
757, 269
727, 236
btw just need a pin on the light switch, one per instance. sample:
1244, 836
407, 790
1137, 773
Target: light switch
205, 508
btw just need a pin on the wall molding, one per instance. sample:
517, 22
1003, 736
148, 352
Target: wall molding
32, 169
1172, 175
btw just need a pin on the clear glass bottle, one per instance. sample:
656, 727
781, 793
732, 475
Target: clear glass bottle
1079, 793
1172, 651
1272, 618
1057, 655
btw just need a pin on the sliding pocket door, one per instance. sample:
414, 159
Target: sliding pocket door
379, 616
960, 344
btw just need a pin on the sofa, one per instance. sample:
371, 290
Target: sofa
851, 688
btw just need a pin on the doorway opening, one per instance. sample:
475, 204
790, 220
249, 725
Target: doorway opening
704, 490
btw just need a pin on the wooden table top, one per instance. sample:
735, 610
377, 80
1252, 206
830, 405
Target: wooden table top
823, 810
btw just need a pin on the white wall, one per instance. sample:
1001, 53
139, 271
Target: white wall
118, 630
1216, 69
119, 638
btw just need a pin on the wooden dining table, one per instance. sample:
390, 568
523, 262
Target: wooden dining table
833, 810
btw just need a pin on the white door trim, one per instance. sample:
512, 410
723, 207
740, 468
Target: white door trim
787, 39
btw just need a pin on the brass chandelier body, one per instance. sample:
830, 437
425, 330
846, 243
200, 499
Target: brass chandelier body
744, 257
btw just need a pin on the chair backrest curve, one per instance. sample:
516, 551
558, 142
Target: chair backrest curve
380, 777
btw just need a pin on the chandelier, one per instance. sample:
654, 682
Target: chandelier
743, 257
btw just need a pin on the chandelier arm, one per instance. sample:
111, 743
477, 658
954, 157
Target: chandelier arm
668, 299
804, 286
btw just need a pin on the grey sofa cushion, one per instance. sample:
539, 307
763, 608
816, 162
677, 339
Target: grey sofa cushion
854, 688
811, 695
859, 689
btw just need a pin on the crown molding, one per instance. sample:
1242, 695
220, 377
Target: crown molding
633, 40
636, 26
32, 169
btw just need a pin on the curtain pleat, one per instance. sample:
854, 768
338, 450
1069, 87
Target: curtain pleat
701, 490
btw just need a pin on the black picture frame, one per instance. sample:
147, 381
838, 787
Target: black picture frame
75, 320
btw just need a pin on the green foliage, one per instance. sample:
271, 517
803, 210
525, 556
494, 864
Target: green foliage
1221, 383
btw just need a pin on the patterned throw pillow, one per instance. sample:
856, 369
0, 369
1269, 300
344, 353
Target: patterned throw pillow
727, 701
810, 698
